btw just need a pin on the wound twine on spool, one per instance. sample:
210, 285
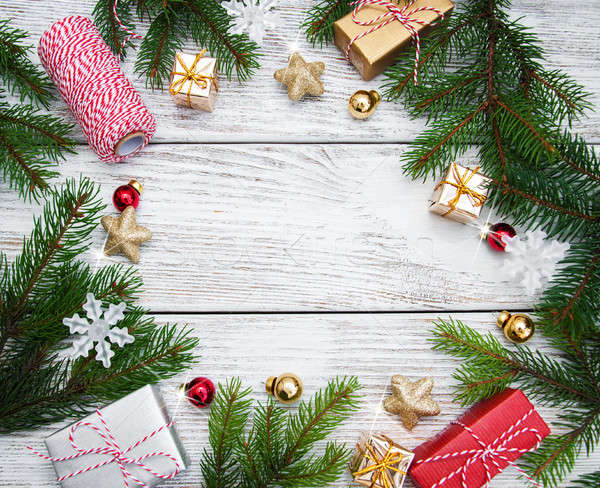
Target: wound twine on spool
114, 120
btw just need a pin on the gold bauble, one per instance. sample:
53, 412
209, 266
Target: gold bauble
517, 327
286, 387
363, 103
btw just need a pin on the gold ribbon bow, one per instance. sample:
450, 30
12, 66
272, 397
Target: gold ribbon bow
190, 74
382, 466
462, 188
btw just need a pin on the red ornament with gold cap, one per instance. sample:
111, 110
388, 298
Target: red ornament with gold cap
128, 195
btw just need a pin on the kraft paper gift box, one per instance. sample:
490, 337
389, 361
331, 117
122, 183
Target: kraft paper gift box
194, 81
129, 419
376, 51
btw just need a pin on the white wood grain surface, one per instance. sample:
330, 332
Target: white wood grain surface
269, 206
317, 347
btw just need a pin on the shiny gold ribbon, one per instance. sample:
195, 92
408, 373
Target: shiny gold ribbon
382, 466
190, 74
461, 185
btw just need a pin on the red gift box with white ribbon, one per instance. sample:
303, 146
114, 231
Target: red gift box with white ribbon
487, 438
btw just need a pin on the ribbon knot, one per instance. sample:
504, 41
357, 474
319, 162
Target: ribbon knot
192, 76
117, 455
404, 15
461, 183
382, 465
488, 453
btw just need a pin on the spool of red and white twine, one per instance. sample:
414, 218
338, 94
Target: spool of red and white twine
115, 121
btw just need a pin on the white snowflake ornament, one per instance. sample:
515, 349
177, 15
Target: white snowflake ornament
99, 330
533, 259
253, 18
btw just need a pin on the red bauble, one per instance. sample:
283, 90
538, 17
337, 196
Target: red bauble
127, 195
496, 234
200, 392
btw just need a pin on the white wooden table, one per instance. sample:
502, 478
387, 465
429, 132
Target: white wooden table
287, 236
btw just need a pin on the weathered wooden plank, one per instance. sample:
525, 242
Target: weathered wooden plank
371, 346
263, 111
289, 227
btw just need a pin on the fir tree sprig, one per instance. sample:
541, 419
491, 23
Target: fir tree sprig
587, 481
31, 142
278, 449
206, 22
47, 283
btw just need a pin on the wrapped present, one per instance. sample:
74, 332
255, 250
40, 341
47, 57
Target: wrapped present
486, 439
461, 194
130, 442
379, 462
194, 81
374, 34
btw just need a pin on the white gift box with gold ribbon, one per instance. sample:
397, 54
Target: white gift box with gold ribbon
194, 81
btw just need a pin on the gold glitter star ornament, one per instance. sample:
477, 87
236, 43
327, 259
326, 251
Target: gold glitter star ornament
124, 235
301, 78
411, 400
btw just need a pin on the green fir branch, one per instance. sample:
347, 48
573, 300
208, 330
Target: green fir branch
590, 480
172, 22
278, 449
46, 283
31, 142
17, 72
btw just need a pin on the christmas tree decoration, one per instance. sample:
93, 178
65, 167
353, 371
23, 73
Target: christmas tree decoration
99, 330
194, 81
148, 452
207, 22
379, 462
200, 392
533, 259
377, 31
31, 141
486, 439
128, 195
109, 110
460, 195
411, 400
45, 284
286, 387
124, 235
518, 327
301, 78
496, 234
362, 103
292, 438
253, 17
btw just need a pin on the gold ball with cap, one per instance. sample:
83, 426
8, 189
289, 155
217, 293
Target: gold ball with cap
362, 103
286, 387
518, 327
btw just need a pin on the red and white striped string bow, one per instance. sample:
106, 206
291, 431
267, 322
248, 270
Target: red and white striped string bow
111, 448
404, 15
488, 453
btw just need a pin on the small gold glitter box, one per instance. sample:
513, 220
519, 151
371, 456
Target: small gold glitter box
379, 462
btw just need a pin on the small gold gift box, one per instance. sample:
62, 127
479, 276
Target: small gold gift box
194, 81
461, 194
379, 462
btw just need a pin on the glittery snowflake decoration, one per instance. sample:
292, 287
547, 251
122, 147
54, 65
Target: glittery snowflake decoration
99, 330
253, 18
533, 260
